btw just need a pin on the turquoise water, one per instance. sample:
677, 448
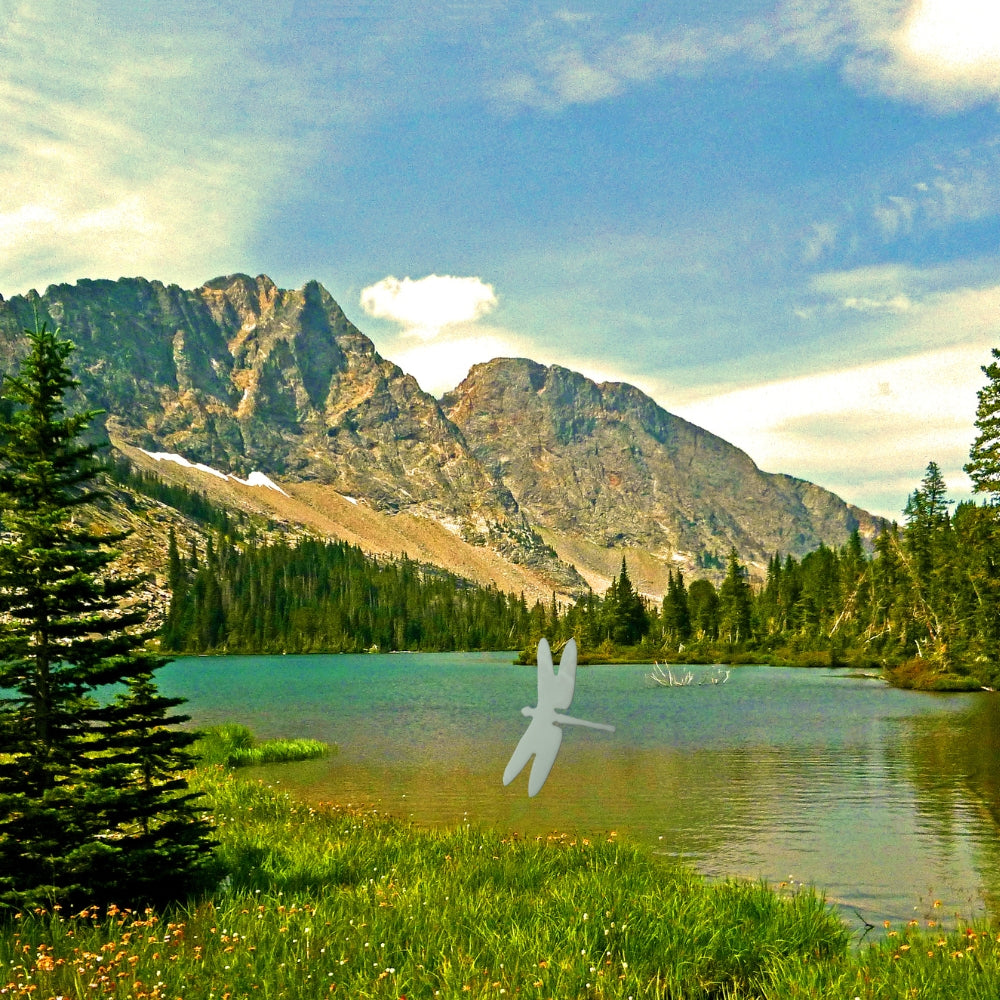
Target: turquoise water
888, 800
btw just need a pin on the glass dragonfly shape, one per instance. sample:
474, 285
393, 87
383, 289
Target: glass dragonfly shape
543, 736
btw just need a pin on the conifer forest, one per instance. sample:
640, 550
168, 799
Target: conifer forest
924, 604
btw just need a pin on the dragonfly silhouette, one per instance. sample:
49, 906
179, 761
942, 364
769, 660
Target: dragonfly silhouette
543, 735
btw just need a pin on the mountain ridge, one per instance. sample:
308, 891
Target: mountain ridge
240, 375
632, 474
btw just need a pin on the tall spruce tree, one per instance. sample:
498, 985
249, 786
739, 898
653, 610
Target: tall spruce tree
735, 602
983, 466
71, 768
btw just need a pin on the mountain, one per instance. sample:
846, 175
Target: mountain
517, 464
603, 467
240, 375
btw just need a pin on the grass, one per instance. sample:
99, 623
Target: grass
330, 901
233, 745
918, 674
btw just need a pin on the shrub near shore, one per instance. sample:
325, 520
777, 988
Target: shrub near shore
324, 900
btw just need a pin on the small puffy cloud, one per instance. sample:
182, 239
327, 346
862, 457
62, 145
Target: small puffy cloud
424, 307
896, 304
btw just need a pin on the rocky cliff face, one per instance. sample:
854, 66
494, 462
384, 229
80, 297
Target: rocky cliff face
241, 375
605, 462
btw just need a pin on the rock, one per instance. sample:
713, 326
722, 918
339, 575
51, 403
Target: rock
241, 375
605, 463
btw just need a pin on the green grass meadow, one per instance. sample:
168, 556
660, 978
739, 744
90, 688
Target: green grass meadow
321, 900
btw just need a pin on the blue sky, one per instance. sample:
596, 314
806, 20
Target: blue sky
781, 219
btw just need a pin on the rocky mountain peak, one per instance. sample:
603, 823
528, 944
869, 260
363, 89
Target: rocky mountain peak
240, 375
522, 458
608, 464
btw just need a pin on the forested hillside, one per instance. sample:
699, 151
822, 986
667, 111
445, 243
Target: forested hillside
323, 596
925, 605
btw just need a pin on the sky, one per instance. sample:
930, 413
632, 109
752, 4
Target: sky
780, 218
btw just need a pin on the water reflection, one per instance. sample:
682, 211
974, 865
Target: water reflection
887, 799
952, 763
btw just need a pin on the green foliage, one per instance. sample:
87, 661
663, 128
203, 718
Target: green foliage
983, 466
233, 745
189, 502
92, 806
323, 596
735, 603
626, 619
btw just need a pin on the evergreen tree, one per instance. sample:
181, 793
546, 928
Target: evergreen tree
926, 519
928, 540
64, 830
703, 605
145, 798
676, 617
983, 466
735, 603
628, 618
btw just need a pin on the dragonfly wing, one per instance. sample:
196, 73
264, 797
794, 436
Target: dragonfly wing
545, 746
565, 682
521, 755
556, 690
546, 675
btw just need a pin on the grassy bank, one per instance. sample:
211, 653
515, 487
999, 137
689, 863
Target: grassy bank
322, 901
234, 745
918, 674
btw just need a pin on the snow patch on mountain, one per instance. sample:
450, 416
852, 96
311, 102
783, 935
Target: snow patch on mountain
254, 479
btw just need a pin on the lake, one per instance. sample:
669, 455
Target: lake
887, 800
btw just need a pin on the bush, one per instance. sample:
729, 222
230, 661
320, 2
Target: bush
918, 674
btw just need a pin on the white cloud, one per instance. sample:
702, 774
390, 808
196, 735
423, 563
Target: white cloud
578, 82
898, 303
440, 365
958, 38
858, 429
424, 307
134, 143
941, 53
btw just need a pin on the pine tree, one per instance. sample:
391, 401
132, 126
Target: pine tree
66, 632
676, 618
628, 618
147, 801
703, 606
983, 466
735, 602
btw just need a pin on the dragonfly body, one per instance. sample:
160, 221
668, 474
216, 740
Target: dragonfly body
543, 736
